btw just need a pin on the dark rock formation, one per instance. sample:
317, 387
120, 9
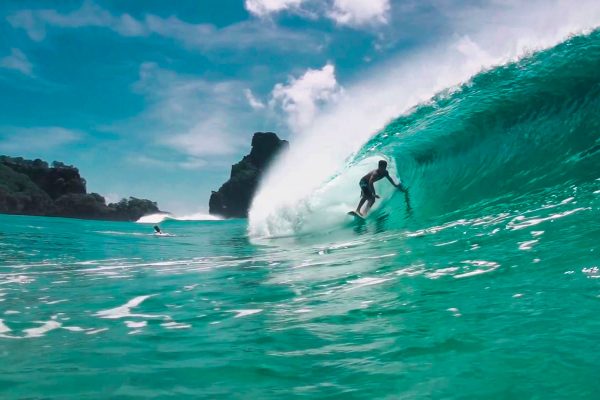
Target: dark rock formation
233, 199
34, 188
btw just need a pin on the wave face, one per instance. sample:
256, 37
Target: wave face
515, 133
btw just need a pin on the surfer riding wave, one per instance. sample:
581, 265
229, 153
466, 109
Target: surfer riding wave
367, 187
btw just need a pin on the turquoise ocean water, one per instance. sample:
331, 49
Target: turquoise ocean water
488, 288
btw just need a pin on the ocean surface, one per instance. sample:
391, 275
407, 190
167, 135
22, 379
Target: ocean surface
488, 287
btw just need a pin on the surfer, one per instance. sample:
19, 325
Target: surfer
159, 232
367, 188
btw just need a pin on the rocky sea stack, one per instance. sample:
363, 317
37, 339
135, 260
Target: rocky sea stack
233, 199
32, 187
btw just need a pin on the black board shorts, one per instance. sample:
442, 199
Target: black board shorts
365, 190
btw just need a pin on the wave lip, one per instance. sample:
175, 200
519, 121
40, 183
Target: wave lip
161, 217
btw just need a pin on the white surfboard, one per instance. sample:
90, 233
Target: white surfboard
356, 215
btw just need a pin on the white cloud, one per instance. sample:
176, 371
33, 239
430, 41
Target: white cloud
145, 160
359, 12
189, 163
180, 98
193, 163
301, 97
17, 61
19, 140
35, 21
253, 101
354, 13
262, 8
196, 118
211, 137
246, 35
243, 35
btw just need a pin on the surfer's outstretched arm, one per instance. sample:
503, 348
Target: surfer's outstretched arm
406, 196
399, 185
402, 188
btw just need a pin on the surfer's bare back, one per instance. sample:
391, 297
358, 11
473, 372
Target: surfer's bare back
367, 187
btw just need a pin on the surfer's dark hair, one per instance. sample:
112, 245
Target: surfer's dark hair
382, 164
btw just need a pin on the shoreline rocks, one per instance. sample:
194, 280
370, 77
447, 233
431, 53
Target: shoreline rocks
32, 187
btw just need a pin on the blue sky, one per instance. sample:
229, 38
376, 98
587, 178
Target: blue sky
157, 99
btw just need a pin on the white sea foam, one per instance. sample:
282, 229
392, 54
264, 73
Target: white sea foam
175, 325
438, 273
362, 282
244, 313
3, 327
484, 268
124, 311
123, 233
95, 331
528, 245
522, 222
55, 301
75, 329
10, 278
455, 311
136, 324
158, 218
47, 326
154, 218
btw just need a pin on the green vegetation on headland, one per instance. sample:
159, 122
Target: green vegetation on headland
32, 187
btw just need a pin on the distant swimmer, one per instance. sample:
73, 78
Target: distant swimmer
367, 188
159, 232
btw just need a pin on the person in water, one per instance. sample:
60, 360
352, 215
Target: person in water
367, 187
157, 230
